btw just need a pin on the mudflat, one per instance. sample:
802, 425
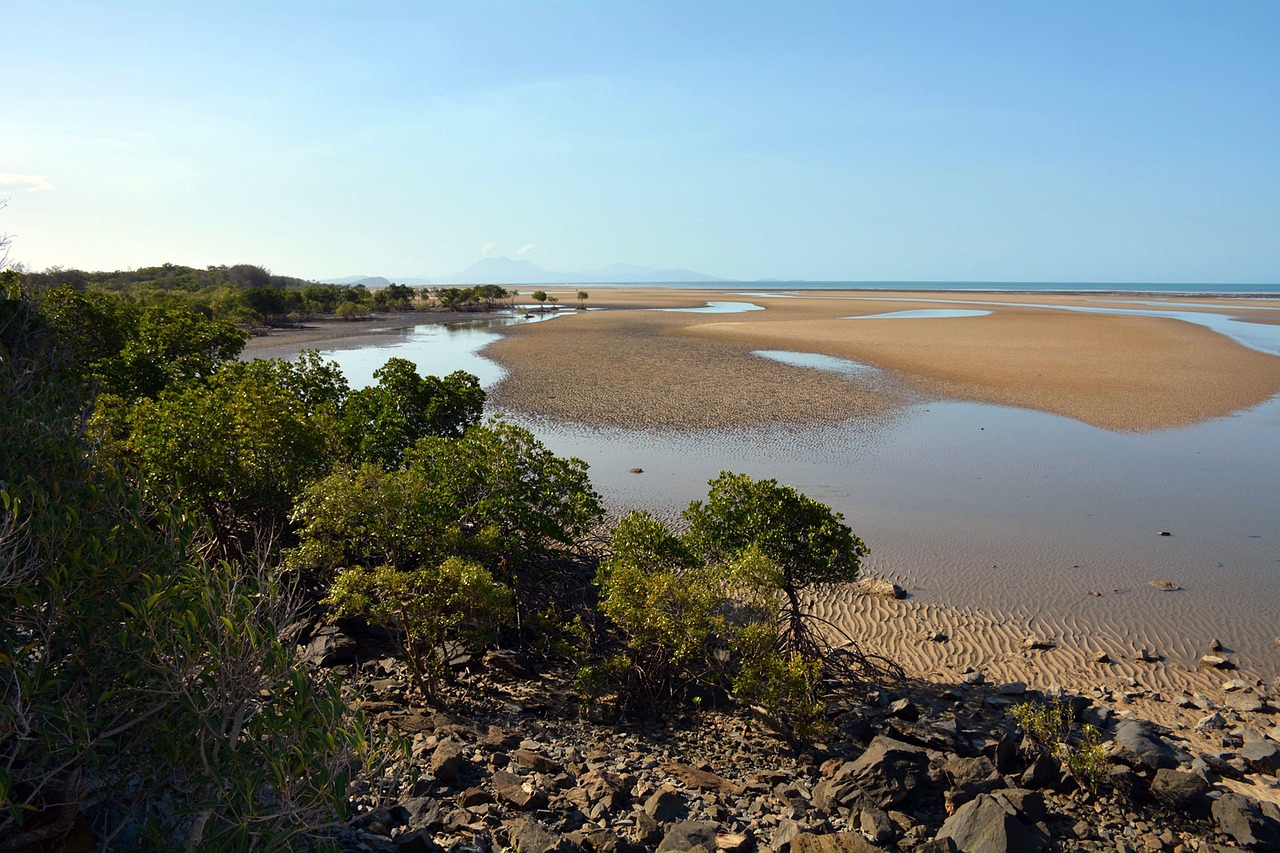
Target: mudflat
632, 366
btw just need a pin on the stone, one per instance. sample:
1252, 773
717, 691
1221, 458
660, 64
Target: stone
1261, 757
1215, 662
833, 842
983, 826
1242, 818
1012, 688
887, 774
447, 760
329, 646
734, 842
506, 661
877, 827
1044, 772
784, 833
1023, 802
1166, 586
937, 636
703, 780
880, 587
515, 791
1180, 791
1139, 746
969, 778
666, 806
529, 835
1211, 723
904, 709
473, 797
417, 841
536, 762
694, 836
1101, 657
604, 787
1038, 643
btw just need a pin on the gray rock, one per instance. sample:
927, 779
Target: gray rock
1261, 757
1179, 790
515, 791
447, 760
528, 835
983, 826
691, 835
904, 709
970, 777
882, 587
877, 827
834, 842
329, 647
1023, 803
666, 806
887, 774
1139, 746
1242, 818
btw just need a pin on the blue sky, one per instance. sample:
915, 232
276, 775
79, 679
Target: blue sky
1110, 141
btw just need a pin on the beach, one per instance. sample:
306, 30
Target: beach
1012, 471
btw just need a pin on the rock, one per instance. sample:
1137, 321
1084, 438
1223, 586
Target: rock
1138, 746
1166, 586
784, 833
447, 760
417, 841
1022, 802
1102, 657
1044, 772
1180, 791
329, 646
877, 827
1215, 645
537, 763
604, 787
513, 790
1147, 656
937, 636
1211, 723
473, 797
983, 826
904, 709
1165, 533
969, 778
666, 806
1261, 757
528, 835
635, 471
505, 660
1242, 818
1215, 662
834, 842
703, 780
881, 587
887, 774
691, 835
1040, 643
937, 845
733, 842
1246, 701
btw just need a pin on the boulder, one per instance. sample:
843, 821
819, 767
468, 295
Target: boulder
1243, 819
1180, 791
695, 836
877, 827
970, 777
1261, 756
983, 826
886, 775
536, 762
1140, 747
528, 835
513, 790
666, 806
447, 760
329, 646
703, 780
832, 842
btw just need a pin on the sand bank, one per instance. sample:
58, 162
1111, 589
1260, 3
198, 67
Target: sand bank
690, 370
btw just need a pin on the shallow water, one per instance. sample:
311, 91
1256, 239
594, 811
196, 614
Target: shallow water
976, 506
717, 308
818, 361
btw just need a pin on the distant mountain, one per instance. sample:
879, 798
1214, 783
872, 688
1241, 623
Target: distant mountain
501, 270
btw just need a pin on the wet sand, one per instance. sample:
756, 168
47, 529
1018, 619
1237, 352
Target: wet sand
943, 491
694, 370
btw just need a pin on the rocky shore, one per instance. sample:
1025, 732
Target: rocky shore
518, 763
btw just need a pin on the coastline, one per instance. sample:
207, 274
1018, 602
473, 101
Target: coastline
630, 369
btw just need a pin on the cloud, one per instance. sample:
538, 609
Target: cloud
488, 249
30, 183
525, 249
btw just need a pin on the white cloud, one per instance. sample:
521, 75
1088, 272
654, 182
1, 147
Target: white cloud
488, 249
525, 249
30, 183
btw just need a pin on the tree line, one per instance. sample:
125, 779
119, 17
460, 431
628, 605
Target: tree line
170, 516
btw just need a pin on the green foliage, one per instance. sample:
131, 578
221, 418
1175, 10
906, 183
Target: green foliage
691, 623
1050, 726
539, 296
382, 421
480, 297
456, 601
582, 299
496, 495
807, 542
131, 669
235, 448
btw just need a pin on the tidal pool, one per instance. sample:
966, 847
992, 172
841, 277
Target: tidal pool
921, 313
718, 308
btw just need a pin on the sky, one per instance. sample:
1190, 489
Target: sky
855, 141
